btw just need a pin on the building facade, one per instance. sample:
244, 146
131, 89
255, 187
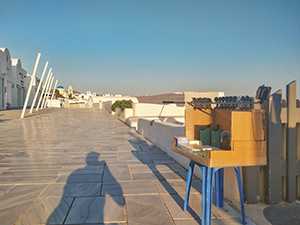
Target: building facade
5, 79
18, 83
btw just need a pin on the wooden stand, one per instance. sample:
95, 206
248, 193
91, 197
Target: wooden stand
248, 144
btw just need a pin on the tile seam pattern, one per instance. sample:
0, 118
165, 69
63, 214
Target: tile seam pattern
7, 191
73, 199
60, 170
130, 173
37, 197
75, 139
165, 206
125, 211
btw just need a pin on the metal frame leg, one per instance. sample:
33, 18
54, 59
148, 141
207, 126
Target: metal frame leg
188, 185
204, 181
207, 190
209, 185
219, 186
239, 181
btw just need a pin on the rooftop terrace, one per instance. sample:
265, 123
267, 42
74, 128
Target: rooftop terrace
78, 166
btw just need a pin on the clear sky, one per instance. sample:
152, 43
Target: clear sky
157, 46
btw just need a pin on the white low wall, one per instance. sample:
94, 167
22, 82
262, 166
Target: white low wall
128, 112
150, 110
161, 134
53, 103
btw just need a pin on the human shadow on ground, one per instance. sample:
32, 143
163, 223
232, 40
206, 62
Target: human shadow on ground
138, 145
83, 201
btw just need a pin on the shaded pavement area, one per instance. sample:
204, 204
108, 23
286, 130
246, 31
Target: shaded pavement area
84, 166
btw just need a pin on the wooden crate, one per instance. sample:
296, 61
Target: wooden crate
248, 144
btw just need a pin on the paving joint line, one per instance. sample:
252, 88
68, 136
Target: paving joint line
130, 172
31, 204
166, 208
73, 199
7, 191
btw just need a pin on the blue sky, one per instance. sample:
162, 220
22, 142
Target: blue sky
148, 47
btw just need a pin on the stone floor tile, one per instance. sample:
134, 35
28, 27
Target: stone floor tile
31, 172
177, 187
156, 176
82, 170
128, 156
97, 210
111, 148
147, 176
18, 165
146, 210
126, 188
116, 173
72, 190
4, 188
175, 203
80, 178
140, 168
47, 211
27, 179
163, 161
187, 222
13, 204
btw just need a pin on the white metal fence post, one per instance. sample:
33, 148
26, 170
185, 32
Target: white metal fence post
39, 87
44, 87
30, 85
47, 88
47, 95
54, 90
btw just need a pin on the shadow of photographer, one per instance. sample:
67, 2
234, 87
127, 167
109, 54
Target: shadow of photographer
87, 204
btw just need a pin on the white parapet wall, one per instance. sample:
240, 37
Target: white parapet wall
151, 110
128, 112
161, 134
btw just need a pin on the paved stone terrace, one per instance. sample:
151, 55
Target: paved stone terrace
81, 166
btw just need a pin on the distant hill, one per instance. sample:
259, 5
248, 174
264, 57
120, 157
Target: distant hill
158, 99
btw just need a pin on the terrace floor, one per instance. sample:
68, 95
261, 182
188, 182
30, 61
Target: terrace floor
84, 166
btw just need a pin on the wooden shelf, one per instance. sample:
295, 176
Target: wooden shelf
248, 144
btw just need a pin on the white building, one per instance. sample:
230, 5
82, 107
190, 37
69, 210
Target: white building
35, 85
5, 79
18, 83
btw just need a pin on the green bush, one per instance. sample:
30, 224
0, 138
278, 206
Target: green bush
121, 104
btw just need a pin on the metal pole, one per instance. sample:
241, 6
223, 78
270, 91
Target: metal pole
47, 95
291, 142
44, 87
54, 90
46, 90
30, 85
39, 87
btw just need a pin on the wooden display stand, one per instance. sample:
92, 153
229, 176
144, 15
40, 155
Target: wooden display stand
248, 143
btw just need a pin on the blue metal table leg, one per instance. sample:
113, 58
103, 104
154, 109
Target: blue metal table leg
204, 181
219, 187
188, 185
239, 181
209, 184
